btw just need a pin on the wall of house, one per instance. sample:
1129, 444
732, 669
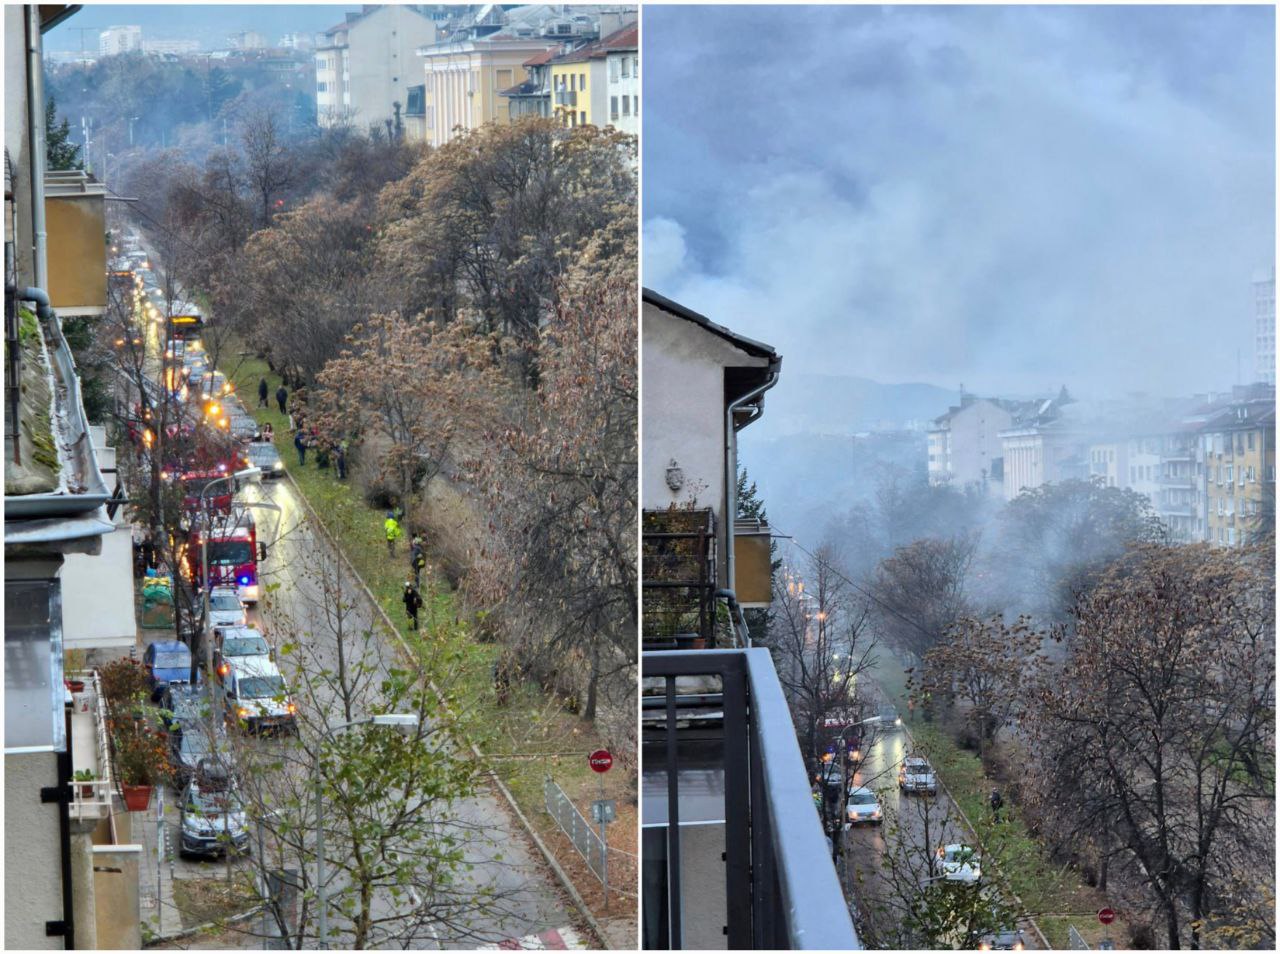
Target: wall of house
116, 899
683, 412
32, 848
624, 86
975, 441
382, 61
97, 595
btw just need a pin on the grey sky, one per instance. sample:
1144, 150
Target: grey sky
1012, 198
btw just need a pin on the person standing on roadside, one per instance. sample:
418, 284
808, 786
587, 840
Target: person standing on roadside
262, 393
417, 558
394, 533
340, 460
300, 442
281, 397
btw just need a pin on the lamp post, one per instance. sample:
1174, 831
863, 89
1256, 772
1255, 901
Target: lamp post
403, 720
837, 843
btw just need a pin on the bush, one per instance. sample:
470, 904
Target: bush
124, 681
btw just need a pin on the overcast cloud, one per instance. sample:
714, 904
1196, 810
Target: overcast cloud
1012, 198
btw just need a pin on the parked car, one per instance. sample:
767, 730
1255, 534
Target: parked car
916, 775
238, 644
264, 456
1007, 939
225, 608
193, 744
185, 704
166, 661
257, 697
863, 807
960, 863
213, 820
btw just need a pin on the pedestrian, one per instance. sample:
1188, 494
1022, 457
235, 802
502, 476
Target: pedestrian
262, 393
394, 533
300, 442
268, 432
996, 804
417, 559
412, 603
281, 397
340, 459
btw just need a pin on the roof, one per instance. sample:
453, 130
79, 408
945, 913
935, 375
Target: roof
544, 57
756, 348
628, 38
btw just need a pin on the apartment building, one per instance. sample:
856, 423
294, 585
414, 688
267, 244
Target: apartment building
119, 39
366, 64
1238, 443
1264, 310
622, 58
533, 96
965, 448
71, 875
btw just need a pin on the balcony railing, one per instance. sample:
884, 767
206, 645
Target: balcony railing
93, 799
679, 574
735, 852
566, 97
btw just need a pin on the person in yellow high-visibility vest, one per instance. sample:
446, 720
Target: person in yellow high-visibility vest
394, 533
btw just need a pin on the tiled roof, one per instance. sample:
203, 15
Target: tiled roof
545, 56
628, 38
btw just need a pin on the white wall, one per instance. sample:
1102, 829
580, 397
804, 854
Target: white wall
383, 62
682, 413
975, 441
623, 86
97, 595
32, 853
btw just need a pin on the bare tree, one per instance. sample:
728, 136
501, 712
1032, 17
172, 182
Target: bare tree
920, 592
268, 165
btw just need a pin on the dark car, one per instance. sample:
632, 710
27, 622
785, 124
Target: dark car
191, 745
166, 661
1008, 939
213, 819
263, 455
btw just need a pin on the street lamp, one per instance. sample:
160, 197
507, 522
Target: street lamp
401, 720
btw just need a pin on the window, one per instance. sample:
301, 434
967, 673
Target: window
582, 116
582, 81
322, 87
1251, 440
573, 82
1231, 536
635, 69
626, 66
1228, 475
613, 70
626, 105
613, 107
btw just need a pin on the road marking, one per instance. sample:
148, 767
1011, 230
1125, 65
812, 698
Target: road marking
556, 939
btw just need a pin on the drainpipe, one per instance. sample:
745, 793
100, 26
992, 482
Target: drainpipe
36, 143
731, 458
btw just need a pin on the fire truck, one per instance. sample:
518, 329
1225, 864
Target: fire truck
234, 553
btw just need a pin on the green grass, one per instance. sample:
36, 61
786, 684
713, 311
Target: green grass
1023, 862
530, 725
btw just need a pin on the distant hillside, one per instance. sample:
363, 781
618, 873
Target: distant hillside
836, 404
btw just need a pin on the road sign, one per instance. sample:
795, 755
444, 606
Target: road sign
601, 760
604, 810
1106, 916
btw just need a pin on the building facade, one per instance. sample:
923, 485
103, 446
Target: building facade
119, 39
965, 448
1238, 442
622, 58
465, 80
579, 87
366, 64
1264, 301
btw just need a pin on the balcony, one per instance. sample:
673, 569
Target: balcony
91, 801
566, 97
735, 856
680, 579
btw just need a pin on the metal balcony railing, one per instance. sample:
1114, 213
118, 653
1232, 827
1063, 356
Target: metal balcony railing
566, 97
678, 557
725, 785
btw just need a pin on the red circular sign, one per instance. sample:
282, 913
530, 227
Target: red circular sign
601, 760
1106, 916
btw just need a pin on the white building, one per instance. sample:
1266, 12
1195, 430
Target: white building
1264, 297
622, 55
297, 41
247, 40
964, 444
119, 39
176, 47
367, 63
694, 370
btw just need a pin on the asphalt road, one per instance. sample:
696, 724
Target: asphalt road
526, 901
913, 825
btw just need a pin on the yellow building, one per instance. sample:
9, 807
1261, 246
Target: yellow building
464, 81
1239, 449
579, 86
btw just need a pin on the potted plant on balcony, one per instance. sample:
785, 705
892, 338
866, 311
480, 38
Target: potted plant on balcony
124, 684
141, 761
85, 775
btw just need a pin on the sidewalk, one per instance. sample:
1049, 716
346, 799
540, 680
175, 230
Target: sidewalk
160, 916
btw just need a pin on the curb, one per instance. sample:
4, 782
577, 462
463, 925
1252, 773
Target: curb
974, 831
201, 928
559, 872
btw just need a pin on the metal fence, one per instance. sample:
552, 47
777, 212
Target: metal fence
600, 858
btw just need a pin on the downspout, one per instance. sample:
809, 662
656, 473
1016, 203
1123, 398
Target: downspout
36, 144
731, 458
